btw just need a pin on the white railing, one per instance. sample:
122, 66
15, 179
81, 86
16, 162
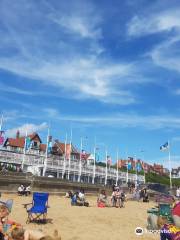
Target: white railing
57, 164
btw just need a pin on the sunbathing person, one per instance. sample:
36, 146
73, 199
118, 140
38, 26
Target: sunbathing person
22, 234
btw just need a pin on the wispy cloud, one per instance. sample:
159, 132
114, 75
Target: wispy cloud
78, 72
76, 24
165, 53
29, 128
154, 23
126, 120
15, 90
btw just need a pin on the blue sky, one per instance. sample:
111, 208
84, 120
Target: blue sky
111, 71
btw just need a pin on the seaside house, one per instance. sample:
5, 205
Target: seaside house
60, 148
17, 144
158, 169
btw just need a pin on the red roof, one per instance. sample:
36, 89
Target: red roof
15, 142
19, 142
61, 147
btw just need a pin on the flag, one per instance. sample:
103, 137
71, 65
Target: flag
143, 165
83, 154
49, 145
109, 160
1, 137
129, 165
164, 147
138, 166
27, 142
68, 151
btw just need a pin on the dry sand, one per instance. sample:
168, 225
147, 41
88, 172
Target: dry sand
87, 223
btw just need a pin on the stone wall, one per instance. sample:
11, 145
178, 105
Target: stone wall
9, 182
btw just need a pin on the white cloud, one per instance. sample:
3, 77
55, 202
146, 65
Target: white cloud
83, 78
29, 128
154, 23
126, 120
75, 67
76, 24
167, 55
15, 90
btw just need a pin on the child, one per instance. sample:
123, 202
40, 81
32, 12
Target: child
5, 223
22, 234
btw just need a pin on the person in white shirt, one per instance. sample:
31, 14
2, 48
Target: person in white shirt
20, 190
178, 192
28, 190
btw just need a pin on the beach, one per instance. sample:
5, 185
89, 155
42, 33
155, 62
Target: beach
86, 223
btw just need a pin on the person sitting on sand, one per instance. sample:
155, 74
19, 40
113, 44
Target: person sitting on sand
68, 194
21, 190
178, 192
79, 200
22, 234
145, 195
113, 199
170, 232
27, 190
103, 198
81, 195
5, 223
122, 198
176, 214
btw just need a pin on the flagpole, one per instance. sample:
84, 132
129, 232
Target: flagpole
136, 170
143, 166
46, 155
127, 174
69, 162
64, 163
117, 167
170, 177
106, 169
1, 132
24, 151
80, 163
1, 122
94, 165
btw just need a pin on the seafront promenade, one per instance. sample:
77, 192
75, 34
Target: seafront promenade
55, 166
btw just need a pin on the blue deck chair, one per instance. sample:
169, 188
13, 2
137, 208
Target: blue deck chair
38, 211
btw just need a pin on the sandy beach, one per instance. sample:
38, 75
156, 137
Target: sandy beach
82, 223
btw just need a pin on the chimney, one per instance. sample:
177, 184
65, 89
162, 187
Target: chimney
17, 134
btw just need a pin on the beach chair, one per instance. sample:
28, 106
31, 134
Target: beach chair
166, 211
38, 212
